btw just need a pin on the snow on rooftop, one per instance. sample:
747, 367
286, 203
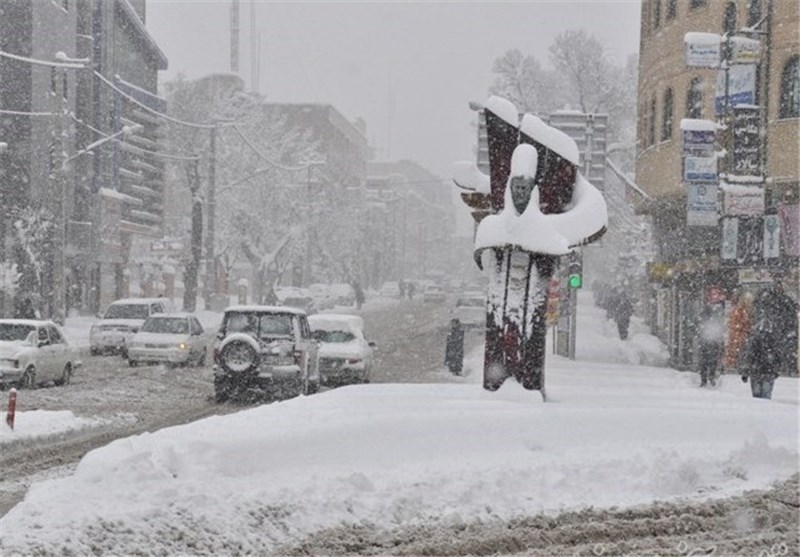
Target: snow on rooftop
693, 124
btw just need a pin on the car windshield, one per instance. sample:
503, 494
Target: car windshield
127, 311
264, 325
334, 336
166, 325
15, 331
470, 302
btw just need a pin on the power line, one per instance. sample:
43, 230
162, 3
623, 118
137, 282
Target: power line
42, 62
21, 113
267, 159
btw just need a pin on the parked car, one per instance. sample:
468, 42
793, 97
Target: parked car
471, 310
345, 356
171, 338
299, 298
343, 294
122, 319
322, 296
34, 352
265, 352
433, 293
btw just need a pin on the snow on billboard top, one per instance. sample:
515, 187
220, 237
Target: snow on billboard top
550, 137
504, 109
468, 176
693, 124
702, 38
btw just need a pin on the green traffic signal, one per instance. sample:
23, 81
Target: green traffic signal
575, 281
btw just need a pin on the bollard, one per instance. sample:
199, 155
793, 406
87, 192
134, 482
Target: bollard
12, 408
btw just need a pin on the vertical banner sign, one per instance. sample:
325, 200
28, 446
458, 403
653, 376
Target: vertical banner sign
744, 50
790, 224
741, 87
746, 141
772, 237
750, 241
730, 238
701, 205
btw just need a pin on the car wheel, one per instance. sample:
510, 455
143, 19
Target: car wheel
66, 375
238, 356
28, 380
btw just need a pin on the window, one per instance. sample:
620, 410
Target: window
729, 21
694, 99
672, 9
789, 106
64, 85
55, 336
42, 336
657, 14
697, 3
53, 80
667, 117
753, 12
651, 123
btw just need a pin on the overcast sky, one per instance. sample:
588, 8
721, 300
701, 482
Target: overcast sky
408, 68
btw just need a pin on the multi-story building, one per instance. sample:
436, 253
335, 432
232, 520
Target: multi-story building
412, 222
689, 269
80, 73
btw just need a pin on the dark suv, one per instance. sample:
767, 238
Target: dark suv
265, 352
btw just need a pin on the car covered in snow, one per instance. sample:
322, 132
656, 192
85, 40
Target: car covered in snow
121, 320
390, 289
345, 356
265, 352
433, 293
169, 338
470, 310
34, 352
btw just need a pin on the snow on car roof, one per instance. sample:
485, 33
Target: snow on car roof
336, 322
29, 322
175, 315
267, 309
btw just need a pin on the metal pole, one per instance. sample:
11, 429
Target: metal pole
57, 303
210, 284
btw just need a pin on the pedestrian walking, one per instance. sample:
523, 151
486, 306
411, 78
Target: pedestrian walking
712, 339
454, 350
411, 288
739, 325
359, 294
761, 358
622, 311
402, 286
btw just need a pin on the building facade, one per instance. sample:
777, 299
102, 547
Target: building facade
690, 268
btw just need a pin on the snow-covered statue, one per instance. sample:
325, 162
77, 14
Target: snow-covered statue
539, 207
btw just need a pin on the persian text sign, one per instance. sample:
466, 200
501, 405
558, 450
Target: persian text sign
746, 141
741, 87
701, 205
744, 50
700, 169
703, 50
743, 201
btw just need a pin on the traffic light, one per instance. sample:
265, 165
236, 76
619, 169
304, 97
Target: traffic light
575, 272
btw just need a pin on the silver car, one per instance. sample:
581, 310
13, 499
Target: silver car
173, 339
34, 352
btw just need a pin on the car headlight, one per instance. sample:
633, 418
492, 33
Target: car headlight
12, 362
182, 346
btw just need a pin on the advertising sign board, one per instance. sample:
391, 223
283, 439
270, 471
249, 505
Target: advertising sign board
743, 200
698, 136
746, 141
700, 169
744, 50
772, 237
701, 205
703, 50
741, 87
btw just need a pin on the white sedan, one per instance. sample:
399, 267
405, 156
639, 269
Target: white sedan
345, 356
169, 338
34, 352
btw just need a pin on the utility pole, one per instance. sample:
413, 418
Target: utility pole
56, 304
192, 267
210, 284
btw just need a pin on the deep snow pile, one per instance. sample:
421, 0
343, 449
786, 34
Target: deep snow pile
400, 456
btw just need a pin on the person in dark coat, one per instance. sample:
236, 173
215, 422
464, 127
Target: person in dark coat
359, 294
761, 358
623, 309
454, 351
712, 339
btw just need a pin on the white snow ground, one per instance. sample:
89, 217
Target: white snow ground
611, 434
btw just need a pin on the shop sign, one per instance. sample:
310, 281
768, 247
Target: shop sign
772, 237
698, 137
703, 50
741, 87
750, 241
701, 205
747, 141
744, 50
700, 169
743, 200
751, 275
730, 238
789, 216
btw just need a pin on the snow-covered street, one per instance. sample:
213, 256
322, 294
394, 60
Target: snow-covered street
398, 457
